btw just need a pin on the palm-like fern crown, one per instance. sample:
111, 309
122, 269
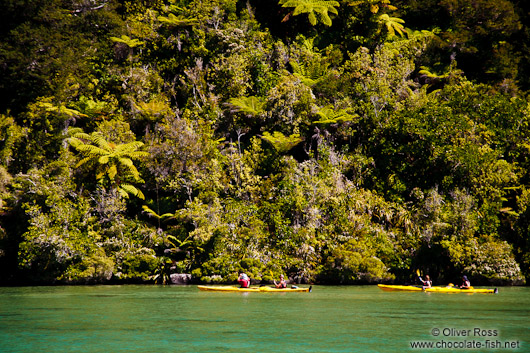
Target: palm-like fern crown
328, 115
310, 73
393, 24
314, 9
131, 43
172, 20
114, 162
252, 105
280, 142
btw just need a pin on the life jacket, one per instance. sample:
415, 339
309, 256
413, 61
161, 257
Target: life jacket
244, 281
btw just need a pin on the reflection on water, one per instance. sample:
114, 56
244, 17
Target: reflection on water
183, 319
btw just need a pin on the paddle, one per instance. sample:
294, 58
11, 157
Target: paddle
272, 275
419, 274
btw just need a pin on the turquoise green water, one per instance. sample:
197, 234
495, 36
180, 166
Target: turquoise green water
183, 319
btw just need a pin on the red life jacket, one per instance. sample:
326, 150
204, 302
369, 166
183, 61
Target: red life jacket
244, 282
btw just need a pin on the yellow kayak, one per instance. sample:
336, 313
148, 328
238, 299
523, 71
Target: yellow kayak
445, 289
252, 289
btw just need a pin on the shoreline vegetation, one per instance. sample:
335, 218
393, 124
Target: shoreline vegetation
334, 142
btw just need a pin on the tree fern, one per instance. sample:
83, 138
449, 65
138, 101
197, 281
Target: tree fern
152, 213
310, 73
153, 108
315, 9
328, 115
280, 142
175, 21
375, 5
393, 25
252, 105
131, 43
449, 74
61, 109
127, 189
113, 163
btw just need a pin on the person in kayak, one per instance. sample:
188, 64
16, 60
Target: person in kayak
281, 283
244, 280
427, 283
465, 283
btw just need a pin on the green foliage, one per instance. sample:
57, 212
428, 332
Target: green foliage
393, 25
95, 268
280, 142
114, 162
317, 10
351, 263
10, 135
328, 115
375, 5
289, 106
137, 266
311, 73
131, 43
172, 20
252, 106
57, 236
352, 153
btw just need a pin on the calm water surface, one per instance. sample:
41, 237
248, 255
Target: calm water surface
330, 319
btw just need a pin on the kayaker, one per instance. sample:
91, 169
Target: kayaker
427, 283
465, 283
244, 280
281, 284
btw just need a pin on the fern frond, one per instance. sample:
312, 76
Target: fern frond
310, 73
248, 105
129, 147
91, 150
74, 142
81, 135
112, 171
312, 7
175, 21
103, 160
127, 41
131, 190
126, 162
392, 24
280, 142
138, 155
328, 115
83, 161
102, 172
150, 212
425, 71
100, 141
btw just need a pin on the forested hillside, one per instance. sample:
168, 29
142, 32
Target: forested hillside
352, 141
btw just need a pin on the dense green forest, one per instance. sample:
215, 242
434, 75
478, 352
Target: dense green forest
351, 141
